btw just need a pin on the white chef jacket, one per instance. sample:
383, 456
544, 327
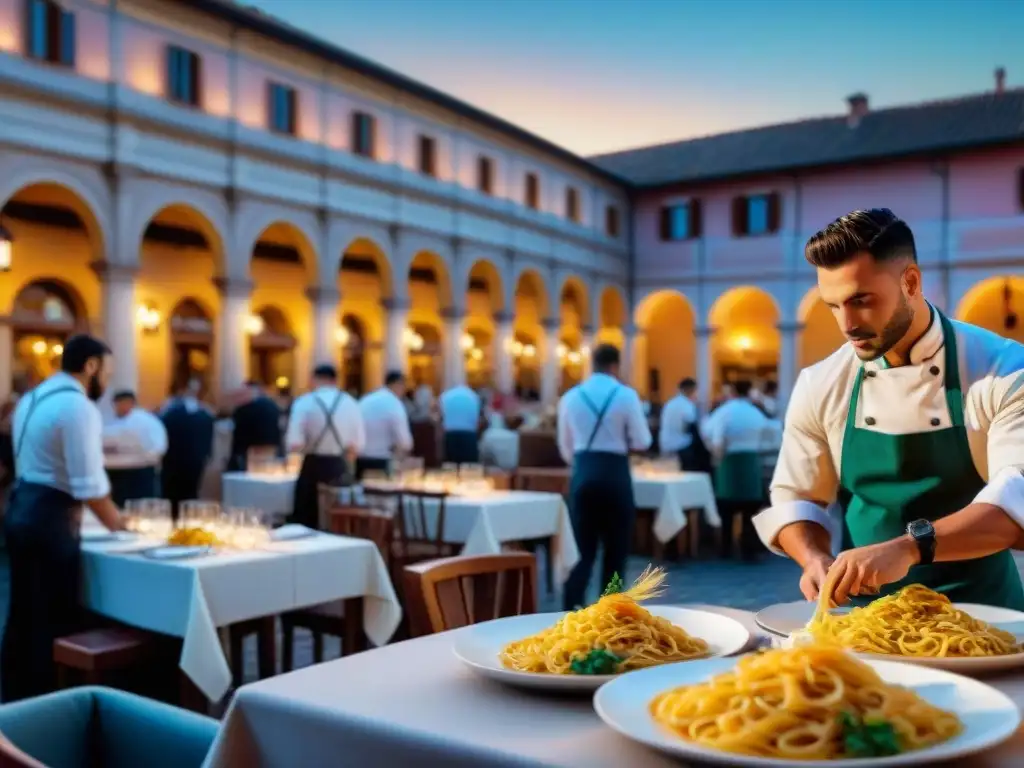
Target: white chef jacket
62, 446
901, 400
139, 439
623, 429
460, 409
678, 415
308, 422
736, 426
386, 423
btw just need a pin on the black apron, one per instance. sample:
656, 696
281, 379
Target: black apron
602, 510
461, 447
43, 543
319, 468
695, 457
127, 483
366, 464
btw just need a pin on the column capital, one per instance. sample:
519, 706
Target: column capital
791, 326
323, 294
109, 272
587, 330
230, 286
503, 318
551, 324
396, 305
453, 314
706, 331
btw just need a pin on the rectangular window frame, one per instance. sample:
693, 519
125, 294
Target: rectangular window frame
426, 155
184, 76
572, 205
531, 190
284, 97
485, 175
50, 33
669, 229
364, 135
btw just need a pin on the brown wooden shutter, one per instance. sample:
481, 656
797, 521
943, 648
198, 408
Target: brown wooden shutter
774, 212
696, 218
197, 80
54, 38
739, 215
666, 223
293, 111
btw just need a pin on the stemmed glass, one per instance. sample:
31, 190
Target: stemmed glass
149, 517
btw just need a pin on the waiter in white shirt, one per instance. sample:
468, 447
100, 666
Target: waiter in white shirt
386, 423
915, 429
58, 447
679, 431
599, 422
134, 445
460, 419
327, 428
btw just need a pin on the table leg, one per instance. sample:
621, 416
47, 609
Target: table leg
693, 524
355, 635
266, 643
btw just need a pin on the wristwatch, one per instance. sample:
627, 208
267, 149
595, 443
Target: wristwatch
923, 534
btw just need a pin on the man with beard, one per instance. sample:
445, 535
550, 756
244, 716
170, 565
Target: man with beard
912, 434
58, 446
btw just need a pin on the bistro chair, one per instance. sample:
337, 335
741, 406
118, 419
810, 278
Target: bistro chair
543, 480
458, 591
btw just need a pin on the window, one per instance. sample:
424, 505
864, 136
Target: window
611, 221
532, 192
283, 105
182, 76
754, 215
681, 221
51, 33
428, 156
364, 134
572, 204
485, 175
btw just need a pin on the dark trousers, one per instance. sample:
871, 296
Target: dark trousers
749, 544
367, 463
181, 483
133, 483
461, 447
316, 469
43, 547
602, 513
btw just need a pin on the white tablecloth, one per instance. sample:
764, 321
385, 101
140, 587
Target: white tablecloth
671, 495
483, 523
274, 494
192, 598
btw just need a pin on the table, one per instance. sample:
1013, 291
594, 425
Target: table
274, 494
415, 704
192, 598
672, 495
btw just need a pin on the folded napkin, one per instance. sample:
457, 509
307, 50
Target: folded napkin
291, 531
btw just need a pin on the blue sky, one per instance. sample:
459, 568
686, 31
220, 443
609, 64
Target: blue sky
601, 75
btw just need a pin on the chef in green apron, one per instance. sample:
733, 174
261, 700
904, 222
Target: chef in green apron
903, 451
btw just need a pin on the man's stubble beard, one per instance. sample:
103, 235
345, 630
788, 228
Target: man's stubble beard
893, 331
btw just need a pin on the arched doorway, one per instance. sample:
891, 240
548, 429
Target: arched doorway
271, 349
668, 350
526, 361
429, 296
352, 340
612, 311
573, 311
192, 336
423, 342
531, 310
481, 342
476, 344
996, 304
365, 283
45, 314
820, 336
746, 343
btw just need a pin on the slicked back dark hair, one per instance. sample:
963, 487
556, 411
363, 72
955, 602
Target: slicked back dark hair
604, 357
879, 232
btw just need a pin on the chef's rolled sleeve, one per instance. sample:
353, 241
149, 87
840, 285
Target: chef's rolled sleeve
805, 481
1003, 403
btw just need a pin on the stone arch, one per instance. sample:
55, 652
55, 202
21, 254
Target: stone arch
666, 350
432, 262
995, 303
366, 238
746, 343
266, 228
44, 314
574, 299
820, 335
485, 276
534, 277
205, 210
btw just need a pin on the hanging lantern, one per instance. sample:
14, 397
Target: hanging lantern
6, 241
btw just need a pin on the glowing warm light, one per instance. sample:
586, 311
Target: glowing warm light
39, 347
467, 341
561, 350
342, 336
477, 354
148, 318
6, 239
744, 343
282, 382
529, 350
517, 348
254, 325
412, 340
574, 357
57, 349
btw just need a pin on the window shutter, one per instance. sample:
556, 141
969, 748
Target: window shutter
271, 95
666, 223
293, 107
196, 79
696, 218
67, 38
371, 135
739, 215
1020, 187
774, 212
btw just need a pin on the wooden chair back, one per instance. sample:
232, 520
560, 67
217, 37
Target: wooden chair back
421, 525
365, 523
458, 591
544, 479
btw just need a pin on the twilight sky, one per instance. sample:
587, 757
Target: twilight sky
601, 75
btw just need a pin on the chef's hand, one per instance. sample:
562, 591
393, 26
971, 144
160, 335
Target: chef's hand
814, 574
864, 570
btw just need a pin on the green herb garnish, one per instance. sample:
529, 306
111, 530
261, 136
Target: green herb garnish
615, 586
868, 738
597, 662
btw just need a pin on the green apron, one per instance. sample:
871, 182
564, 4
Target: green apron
887, 481
739, 477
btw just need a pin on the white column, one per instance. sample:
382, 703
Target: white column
788, 360
233, 340
549, 370
119, 328
626, 361
325, 301
501, 351
705, 365
454, 356
6, 361
586, 348
398, 319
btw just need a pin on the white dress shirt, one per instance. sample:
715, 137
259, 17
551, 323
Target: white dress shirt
62, 446
386, 423
678, 415
137, 440
901, 400
499, 445
737, 426
460, 409
308, 424
623, 429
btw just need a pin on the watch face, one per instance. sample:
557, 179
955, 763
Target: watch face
920, 528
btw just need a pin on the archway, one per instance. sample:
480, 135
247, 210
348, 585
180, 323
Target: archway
430, 294
364, 281
996, 304
612, 314
531, 309
746, 343
272, 346
425, 350
574, 314
526, 365
820, 336
45, 314
668, 350
484, 300
180, 254
477, 345
352, 341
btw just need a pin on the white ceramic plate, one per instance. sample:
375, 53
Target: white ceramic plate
478, 646
788, 619
176, 553
989, 716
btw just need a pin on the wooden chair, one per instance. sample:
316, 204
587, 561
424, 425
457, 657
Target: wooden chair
544, 480
458, 591
264, 629
98, 652
420, 528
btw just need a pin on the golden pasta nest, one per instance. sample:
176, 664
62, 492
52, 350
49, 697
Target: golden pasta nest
192, 537
807, 703
617, 625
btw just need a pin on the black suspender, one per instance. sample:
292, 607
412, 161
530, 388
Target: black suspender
33, 404
329, 427
600, 413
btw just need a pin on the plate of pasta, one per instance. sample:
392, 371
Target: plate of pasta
811, 705
580, 650
916, 625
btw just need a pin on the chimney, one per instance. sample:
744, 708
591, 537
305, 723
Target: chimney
858, 108
1000, 80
